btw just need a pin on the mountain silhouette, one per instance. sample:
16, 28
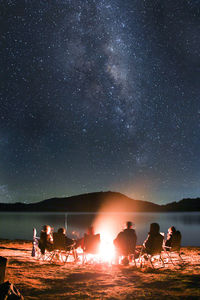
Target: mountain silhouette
101, 201
187, 204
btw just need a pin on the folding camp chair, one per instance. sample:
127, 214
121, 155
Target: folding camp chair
125, 255
36, 250
61, 251
152, 258
152, 255
173, 252
91, 245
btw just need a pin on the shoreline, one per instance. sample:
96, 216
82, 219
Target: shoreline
7, 241
37, 279
77, 212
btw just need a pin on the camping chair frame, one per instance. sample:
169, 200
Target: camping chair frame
172, 254
145, 257
130, 256
61, 255
61, 252
173, 251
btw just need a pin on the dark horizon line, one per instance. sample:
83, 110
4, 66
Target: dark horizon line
92, 202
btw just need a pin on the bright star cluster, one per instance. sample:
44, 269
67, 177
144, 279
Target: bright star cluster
99, 95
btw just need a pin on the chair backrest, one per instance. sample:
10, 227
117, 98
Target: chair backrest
91, 243
59, 241
125, 242
176, 241
157, 244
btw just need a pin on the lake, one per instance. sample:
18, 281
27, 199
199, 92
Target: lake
20, 225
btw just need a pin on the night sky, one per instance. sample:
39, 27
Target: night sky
99, 95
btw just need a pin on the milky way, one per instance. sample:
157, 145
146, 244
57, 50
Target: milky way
99, 95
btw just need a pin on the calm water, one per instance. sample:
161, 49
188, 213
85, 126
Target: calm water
20, 225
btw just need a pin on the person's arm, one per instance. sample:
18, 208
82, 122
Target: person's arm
69, 241
168, 241
49, 239
148, 242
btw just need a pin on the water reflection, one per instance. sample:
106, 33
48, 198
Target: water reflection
185, 218
20, 225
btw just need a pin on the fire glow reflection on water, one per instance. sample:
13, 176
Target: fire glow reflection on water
20, 225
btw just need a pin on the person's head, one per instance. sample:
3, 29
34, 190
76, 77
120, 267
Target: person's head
47, 229
62, 230
154, 228
91, 230
172, 229
129, 225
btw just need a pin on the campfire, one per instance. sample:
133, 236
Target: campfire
107, 250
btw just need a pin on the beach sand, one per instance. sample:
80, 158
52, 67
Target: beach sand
37, 279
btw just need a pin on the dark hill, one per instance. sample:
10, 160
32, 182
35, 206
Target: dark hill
187, 204
92, 202
104, 201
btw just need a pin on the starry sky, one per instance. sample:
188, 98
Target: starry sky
99, 95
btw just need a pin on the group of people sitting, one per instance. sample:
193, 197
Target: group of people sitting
46, 238
125, 242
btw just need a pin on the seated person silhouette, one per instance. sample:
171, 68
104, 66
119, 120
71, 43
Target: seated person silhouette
91, 241
173, 240
62, 242
62, 234
125, 243
154, 241
46, 239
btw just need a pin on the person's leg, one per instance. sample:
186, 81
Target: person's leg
42, 248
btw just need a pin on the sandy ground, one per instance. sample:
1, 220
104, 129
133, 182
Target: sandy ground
38, 279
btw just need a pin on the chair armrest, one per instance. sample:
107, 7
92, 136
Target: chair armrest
73, 244
166, 247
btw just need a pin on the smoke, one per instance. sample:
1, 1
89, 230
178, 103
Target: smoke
112, 216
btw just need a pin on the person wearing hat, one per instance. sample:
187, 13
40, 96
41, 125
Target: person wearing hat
125, 243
